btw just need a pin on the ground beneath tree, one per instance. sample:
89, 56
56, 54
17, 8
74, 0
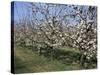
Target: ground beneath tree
27, 61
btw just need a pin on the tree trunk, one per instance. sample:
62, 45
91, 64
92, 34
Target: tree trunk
51, 55
82, 61
40, 51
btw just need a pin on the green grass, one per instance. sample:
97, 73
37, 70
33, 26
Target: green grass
26, 61
71, 54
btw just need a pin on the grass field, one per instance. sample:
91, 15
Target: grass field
27, 61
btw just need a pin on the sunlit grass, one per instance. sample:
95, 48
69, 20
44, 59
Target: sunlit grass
27, 61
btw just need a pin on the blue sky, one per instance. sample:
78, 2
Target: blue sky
20, 10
